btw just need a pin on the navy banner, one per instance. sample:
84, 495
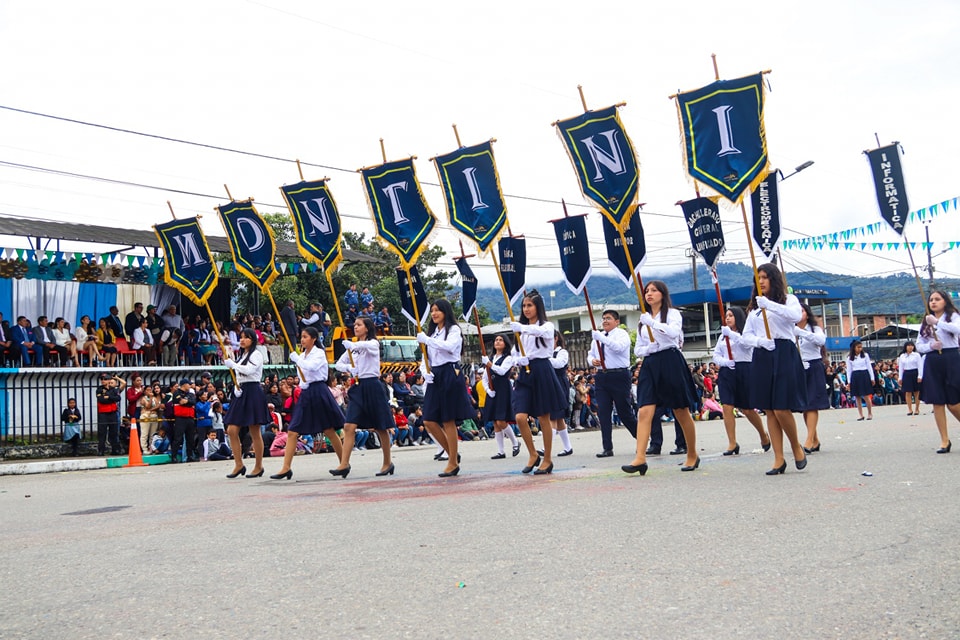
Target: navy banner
574, 251
471, 190
724, 139
765, 201
316, 223
604, 161
706, 233
188, 266
400, 212
513, 266
423, 306
251, 242
891, 190
636, 245
469, 288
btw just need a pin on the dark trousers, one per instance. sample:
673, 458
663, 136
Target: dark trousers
184, 428
656, 431
74, 443
613, 390
107, 426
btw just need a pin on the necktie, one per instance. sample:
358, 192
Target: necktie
600, 346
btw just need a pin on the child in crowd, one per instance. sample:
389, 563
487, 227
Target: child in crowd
71, 426
159, 443
213, 450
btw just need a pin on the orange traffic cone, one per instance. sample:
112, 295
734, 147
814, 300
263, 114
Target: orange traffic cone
136, 456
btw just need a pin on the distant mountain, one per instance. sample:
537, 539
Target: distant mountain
882, 295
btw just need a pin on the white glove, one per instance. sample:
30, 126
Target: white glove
295, 357
487, 389
523, 361
348, 344
237, 392
422, 338
646, 320
640, 351
598, 335
354, 371
931, 319
806, 365
800, 333
516, 327
730, 364
727, 332
303, 385
428, 378
763, 302
936, 345
484, 360
766, 343
230, 364
653, 347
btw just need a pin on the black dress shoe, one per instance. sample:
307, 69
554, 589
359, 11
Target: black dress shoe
257, 475
766, 447
499, 456
678, 452
733, 452
516, 450
242, 472
801, 464
386, 472
283, 476
777, 470
945, 449
606, 453
343, 473
635, 468
693, 467
450, 474
568, 452
531, 467
653, 452
541, 472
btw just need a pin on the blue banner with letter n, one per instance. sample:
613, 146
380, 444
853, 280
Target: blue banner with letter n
706, 233
574, 251
636, 245
891, 190
723, 136
251, 242
188, 266
316, 222
469, 287
513, 266
407, 302
400, 212
471, 190
604, 161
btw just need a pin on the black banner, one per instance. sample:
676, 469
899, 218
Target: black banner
766, 215
635, 244
706, 233
513, 266
891, 191
574, 251
423, 306
469, 288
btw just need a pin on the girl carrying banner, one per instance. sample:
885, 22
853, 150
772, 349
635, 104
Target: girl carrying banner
499, 406
248, 409
559, 363
810, 340
734, 380
938, 342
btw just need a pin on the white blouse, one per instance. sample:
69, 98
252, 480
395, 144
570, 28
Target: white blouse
947, 333
62, 337
666, 335
528, 338
909, 362
444, 349
742, 350
810, 340
861, 363
366, 358
560, 358
782, 318
312, 364
249, 371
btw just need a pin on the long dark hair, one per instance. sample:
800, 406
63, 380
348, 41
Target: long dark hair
853, 346
250, 333
312, 332
948, 311
534, 296
908, 343
665, 304
558, 340
371, 328
739, 317
811, 320
778, 286
443, 306
507, 343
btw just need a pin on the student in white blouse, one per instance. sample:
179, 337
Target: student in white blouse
248, 409
938, 342
909, 368
860, 374
810, 340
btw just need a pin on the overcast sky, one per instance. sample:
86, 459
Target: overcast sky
323, 82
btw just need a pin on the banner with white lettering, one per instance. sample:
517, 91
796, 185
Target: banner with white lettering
604, 160
188, 265
891, 190
406, 302
765, 202
706, 232
636, 245
574, 251
400, 213
471, 191
513, 266
469, 281
316, 223
251, 242
723, 135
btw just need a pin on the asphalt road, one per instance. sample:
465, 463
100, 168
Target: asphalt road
178, 551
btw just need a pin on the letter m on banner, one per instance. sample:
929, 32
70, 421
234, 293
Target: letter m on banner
316, 223
251, 242
723, 135
604, 161
188, 266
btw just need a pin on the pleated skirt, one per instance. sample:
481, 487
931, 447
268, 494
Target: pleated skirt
446, 397
734, 385
665, 381
500, 406
861, 384
538, 392
816, 376
910, 382
777, 379
368, 407
250, 408
941, 377
316, 411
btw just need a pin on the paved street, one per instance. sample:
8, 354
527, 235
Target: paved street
178, 551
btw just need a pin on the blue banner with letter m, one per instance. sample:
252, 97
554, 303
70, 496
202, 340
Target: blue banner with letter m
723, 135
251, 242
400, 212
188, 266
316, 222
471, 189
604, 161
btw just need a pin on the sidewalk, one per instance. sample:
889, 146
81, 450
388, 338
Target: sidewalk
72, 464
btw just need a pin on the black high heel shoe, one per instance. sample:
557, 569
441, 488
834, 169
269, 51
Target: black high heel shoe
635, 468
387, 472
733, 452
242, 472
543, 472
766, 447
801, 464
945, 449
450, 474
283, 476
778, 470
343, 473
694, 467
256, 475
530, 468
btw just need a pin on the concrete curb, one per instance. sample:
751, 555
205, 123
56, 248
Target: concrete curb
81, 464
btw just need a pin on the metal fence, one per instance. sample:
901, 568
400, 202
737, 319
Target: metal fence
32, 400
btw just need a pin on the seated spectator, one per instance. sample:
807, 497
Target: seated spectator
214, 450
363, 437
107, 342
43, 336
159, 443
269, 436
143, 342
467, 430
351, 315
418, 388
24, 342
66, 346
401, 390
402, 433
279, 442
366, 298
419, 434
6, 342
711, 409
384, 321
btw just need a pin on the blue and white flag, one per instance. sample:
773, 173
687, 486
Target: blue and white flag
406, 302
574, 251
316, 223
706, 233
251, 242
891, 190
604, 161
188, 265
469, 287
471, 190
400, 212
513, 266
724, 140
765, 202
636, 245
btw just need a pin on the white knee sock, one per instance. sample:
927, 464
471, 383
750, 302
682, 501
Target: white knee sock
512, 436
499, 436
564, 438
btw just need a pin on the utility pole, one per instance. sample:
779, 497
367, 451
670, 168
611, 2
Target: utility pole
690, 253
929, 259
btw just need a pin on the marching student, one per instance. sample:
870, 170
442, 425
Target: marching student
909, 368
559, 363
810, 340
733, 380
248, 409
499, 405
860, 375
938, 342
613, 378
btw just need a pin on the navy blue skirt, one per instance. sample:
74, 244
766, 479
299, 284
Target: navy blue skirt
564, 381
777, 379
665, 381
861, 384
250, 408
446, 397
539, 393
816, 375
315, 411
368, 407
910, 383
500, 407
734, 385
941, 377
